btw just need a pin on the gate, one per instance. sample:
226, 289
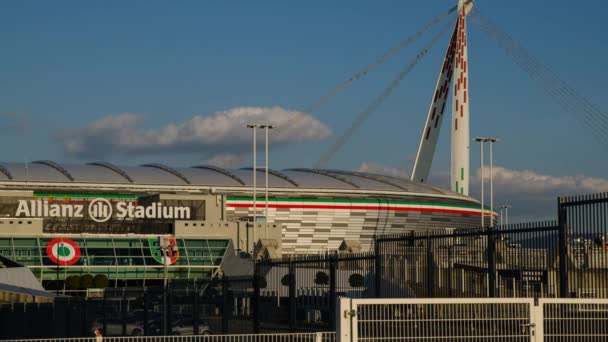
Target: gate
472, 319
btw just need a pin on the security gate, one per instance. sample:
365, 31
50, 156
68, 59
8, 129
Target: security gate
472, 319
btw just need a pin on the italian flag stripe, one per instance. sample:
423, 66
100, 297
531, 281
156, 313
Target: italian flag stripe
380, 205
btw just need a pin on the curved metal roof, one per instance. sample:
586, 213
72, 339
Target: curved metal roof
159, 174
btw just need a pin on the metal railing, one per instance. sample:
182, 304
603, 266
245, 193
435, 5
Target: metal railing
298, 337
473, 319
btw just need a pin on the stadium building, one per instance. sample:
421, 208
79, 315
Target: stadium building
133, 223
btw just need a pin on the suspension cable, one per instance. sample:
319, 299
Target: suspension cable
313, 107
345, 137
565, 95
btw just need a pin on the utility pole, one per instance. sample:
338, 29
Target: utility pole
266, 128
254, 127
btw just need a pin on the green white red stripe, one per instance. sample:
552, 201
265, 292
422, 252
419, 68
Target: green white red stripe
355, 204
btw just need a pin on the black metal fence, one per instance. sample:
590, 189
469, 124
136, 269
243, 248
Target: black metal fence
299, 293
564, 258
567, 258
209, 306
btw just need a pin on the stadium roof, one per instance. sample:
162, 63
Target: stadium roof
45, 171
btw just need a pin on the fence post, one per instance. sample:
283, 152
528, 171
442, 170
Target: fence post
256, 297
292, 297
377, 269
491, 250
195, 307
333, 260
430, 272
226, 307
563, 248
146, 307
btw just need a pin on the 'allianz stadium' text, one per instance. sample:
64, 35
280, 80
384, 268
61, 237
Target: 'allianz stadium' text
100, 210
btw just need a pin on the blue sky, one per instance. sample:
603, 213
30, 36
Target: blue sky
68, 64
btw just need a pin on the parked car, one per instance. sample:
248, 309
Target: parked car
186, 327
114, 328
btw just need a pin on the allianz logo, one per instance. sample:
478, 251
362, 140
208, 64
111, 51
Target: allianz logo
100, 210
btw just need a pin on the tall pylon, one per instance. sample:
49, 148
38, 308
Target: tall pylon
453, 73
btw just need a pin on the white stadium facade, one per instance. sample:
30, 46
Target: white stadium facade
101, 218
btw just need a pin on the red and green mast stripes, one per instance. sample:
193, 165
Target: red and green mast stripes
355, 204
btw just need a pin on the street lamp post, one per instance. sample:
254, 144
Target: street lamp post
266, 128
504, 222
481, 140
254, 127
165, 283
491, 140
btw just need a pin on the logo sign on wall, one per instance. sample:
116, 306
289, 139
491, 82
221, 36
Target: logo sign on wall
63, 251
161, 246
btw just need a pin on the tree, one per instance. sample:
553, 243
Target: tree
321, 278
100, 281
285, 280
355, 280
72, 282
262, 283
86, 281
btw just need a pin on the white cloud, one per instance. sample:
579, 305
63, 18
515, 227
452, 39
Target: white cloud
372, 167
226, 160
532, 195
221, 132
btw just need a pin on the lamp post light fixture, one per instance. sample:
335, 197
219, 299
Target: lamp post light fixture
481, 140
491, 140
266, 128
506, 215
254, 127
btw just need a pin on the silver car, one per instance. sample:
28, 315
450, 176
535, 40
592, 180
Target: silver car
186, 327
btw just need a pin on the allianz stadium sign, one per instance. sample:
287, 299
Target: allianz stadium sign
100, 210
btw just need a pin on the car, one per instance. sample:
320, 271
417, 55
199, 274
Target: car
186, 327
114, 328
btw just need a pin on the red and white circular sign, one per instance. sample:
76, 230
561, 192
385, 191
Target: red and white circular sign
63, 251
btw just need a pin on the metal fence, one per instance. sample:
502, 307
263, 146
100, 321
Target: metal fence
473, 319
299, 293
211, 306
301, 337
566, 258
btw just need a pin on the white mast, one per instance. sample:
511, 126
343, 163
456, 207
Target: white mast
460, 105
454, 69
434, 117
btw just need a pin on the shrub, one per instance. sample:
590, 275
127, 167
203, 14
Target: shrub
355, 280
86, 281
262, 283
285, 280
100, 281
72, 282
321, 278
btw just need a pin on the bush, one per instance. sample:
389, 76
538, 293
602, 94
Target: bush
355, 280
262, 283
285, 280
100, 281
86, 281
321, 278
72, 282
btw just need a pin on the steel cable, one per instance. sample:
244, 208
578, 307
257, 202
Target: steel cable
327, 156
568, 98
362, 73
